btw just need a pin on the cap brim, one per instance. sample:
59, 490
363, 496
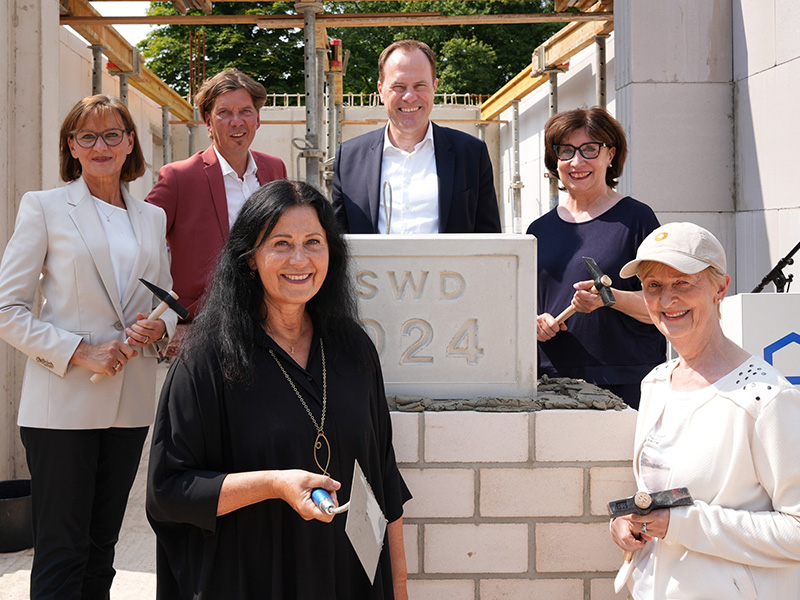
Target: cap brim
679, 262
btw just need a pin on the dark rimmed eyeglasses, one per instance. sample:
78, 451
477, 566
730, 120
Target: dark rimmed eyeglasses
589, 150
86, 138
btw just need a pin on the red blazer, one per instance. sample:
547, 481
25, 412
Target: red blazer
192, 193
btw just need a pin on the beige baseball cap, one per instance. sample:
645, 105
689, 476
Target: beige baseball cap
683, 246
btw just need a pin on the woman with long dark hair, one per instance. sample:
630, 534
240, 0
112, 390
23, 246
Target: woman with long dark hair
278, 391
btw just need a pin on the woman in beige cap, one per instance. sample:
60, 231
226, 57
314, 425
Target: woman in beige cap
720, 422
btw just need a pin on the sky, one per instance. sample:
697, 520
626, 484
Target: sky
132, 33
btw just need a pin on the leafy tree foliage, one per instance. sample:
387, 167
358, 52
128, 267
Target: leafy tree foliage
475, 59
272, 57
512, 45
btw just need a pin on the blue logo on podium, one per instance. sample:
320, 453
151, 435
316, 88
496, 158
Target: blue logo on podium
769, 351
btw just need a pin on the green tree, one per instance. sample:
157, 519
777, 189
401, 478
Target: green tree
466, 65
512, 44
272, 57
471, 59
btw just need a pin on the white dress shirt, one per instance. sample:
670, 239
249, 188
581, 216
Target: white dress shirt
237, 189
412, 205
122, 243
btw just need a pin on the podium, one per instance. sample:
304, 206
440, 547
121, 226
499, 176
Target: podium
767, 326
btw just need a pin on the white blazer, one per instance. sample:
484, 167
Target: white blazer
60, 244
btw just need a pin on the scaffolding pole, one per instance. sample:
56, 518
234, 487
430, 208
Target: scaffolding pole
165, 141
312, 152
553, 110
516, 181
193, 131
97, 69
600, 69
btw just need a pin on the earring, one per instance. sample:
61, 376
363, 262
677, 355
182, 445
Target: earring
252, 274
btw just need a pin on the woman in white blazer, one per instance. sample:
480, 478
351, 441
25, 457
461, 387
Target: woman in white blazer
720, 422
84, 246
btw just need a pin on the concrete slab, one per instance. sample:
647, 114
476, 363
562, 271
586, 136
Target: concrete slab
754, 36
680, 133
452, 316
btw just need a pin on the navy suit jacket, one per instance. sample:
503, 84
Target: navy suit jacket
467, 200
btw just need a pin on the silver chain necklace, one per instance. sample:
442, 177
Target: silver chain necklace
320, 427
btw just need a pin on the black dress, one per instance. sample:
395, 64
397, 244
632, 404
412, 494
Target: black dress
207, 427
605, 347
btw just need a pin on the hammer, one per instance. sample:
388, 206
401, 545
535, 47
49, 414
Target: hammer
602, 286
168, 300
641, 504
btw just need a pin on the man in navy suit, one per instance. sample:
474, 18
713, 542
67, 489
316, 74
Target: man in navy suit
413, 176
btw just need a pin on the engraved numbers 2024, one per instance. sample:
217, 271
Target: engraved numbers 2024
411, 287
463, 344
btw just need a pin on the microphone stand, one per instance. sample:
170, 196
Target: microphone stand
776, 275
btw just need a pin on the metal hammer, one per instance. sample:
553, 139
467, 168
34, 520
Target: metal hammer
602, 286
641, 504
168, 300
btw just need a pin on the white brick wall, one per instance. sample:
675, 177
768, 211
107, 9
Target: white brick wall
513, 505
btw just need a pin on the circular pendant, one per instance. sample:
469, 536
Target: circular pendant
320, 443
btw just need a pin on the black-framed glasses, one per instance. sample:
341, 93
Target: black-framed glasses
589, 150
86, 138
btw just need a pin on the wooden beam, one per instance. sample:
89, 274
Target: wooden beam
180, 6
562, 46
120, 52
562, 5
519, 87
340, 20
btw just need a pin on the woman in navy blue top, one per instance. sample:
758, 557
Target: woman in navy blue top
611, 347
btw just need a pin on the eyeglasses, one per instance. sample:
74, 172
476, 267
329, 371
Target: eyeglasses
589, 150
86, 138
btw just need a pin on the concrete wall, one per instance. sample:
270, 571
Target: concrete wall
706, 92
28, 158
513, 505
766, 83
575, 88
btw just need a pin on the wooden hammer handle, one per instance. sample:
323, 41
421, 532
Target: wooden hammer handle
157, 312
566, 314
569, 311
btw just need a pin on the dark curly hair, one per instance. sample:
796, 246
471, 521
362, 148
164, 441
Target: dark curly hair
234, 304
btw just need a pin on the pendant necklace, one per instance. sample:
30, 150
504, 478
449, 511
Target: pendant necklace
320, 441
275, 337
106, 215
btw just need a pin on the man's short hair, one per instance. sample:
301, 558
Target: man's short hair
406, 46
228, 80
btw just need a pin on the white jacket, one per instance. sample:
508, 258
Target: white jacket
740, 459
59, 244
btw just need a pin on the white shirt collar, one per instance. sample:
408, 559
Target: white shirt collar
227, 169
387, 144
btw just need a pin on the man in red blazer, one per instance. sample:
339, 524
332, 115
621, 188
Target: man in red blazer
203, 194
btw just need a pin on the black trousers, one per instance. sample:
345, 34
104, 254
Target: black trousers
80, 481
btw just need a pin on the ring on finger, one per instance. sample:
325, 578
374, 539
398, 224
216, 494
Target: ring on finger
146, 339
118, 366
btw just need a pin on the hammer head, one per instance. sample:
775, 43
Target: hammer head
602, 282
643, 503
165, 296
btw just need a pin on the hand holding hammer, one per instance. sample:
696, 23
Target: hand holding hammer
168, 300
601, 286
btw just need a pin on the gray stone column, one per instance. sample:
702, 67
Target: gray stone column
674, 97
29, 65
